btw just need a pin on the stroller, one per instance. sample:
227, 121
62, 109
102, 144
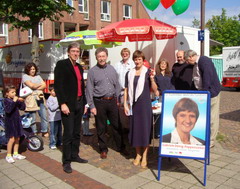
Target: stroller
34, 142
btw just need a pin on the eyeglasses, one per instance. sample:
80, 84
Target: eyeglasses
74, 51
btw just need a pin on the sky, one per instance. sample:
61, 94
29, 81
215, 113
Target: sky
213, 7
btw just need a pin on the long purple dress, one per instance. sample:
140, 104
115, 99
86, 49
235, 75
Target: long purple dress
13, 125
141, 120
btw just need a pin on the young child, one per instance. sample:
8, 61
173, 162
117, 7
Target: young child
13, 125
54, 119
85, 122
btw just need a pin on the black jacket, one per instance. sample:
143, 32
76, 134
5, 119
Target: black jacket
65, 83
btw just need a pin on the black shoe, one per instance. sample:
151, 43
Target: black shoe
89, 134
67, 168
79, 160
124, 152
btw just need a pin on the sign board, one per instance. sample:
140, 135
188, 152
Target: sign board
185, 125
231, 61
201, 35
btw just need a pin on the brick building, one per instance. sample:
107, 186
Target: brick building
88, 14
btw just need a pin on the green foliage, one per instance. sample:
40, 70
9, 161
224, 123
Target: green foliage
196, 23
25, 14
225, 30
221, 137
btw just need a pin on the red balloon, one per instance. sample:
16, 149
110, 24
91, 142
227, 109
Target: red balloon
167, 3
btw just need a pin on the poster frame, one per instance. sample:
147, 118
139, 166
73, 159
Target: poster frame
183, 94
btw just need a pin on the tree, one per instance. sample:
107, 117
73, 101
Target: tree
25, 15
196, 23
225, 30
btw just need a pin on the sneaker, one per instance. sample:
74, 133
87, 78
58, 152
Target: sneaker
53, 147
45, 135
9, 159
19, 157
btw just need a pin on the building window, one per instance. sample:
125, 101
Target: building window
105, 11
40, 32
127, 12
4, 31
83, 8
57, 30
69, 2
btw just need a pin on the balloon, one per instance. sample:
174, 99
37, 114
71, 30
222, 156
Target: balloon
151, 4
180, 6
167, 3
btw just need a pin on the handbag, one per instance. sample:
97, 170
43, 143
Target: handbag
31, 103
24, 91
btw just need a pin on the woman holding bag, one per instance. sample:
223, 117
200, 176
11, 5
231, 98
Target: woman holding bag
36, 83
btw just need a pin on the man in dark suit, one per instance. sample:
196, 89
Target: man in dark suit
182, 73
69, 88
205, 78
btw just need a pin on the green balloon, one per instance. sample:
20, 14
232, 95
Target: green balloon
180, 6
151, 4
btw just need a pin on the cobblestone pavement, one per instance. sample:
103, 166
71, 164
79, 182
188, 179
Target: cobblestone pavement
43, 169
230, 119
121, 166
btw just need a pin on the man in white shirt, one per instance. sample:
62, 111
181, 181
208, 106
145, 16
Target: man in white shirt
122, 67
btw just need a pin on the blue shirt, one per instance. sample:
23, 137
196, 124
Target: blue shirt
164, 82
54, 113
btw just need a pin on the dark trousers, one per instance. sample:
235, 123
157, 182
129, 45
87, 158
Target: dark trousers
107, 109
71, 133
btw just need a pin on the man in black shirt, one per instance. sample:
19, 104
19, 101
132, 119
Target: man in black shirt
182, 73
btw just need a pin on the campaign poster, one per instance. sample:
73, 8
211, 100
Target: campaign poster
184, 125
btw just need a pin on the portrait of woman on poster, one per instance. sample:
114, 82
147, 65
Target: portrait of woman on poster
185, 113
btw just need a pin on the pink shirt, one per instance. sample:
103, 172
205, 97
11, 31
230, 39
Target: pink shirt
79, 79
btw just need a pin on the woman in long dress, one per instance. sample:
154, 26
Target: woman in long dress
137, 105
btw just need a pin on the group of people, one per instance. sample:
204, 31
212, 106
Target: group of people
120, 94
33, 103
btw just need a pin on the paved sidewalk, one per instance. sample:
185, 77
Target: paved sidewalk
43, 169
